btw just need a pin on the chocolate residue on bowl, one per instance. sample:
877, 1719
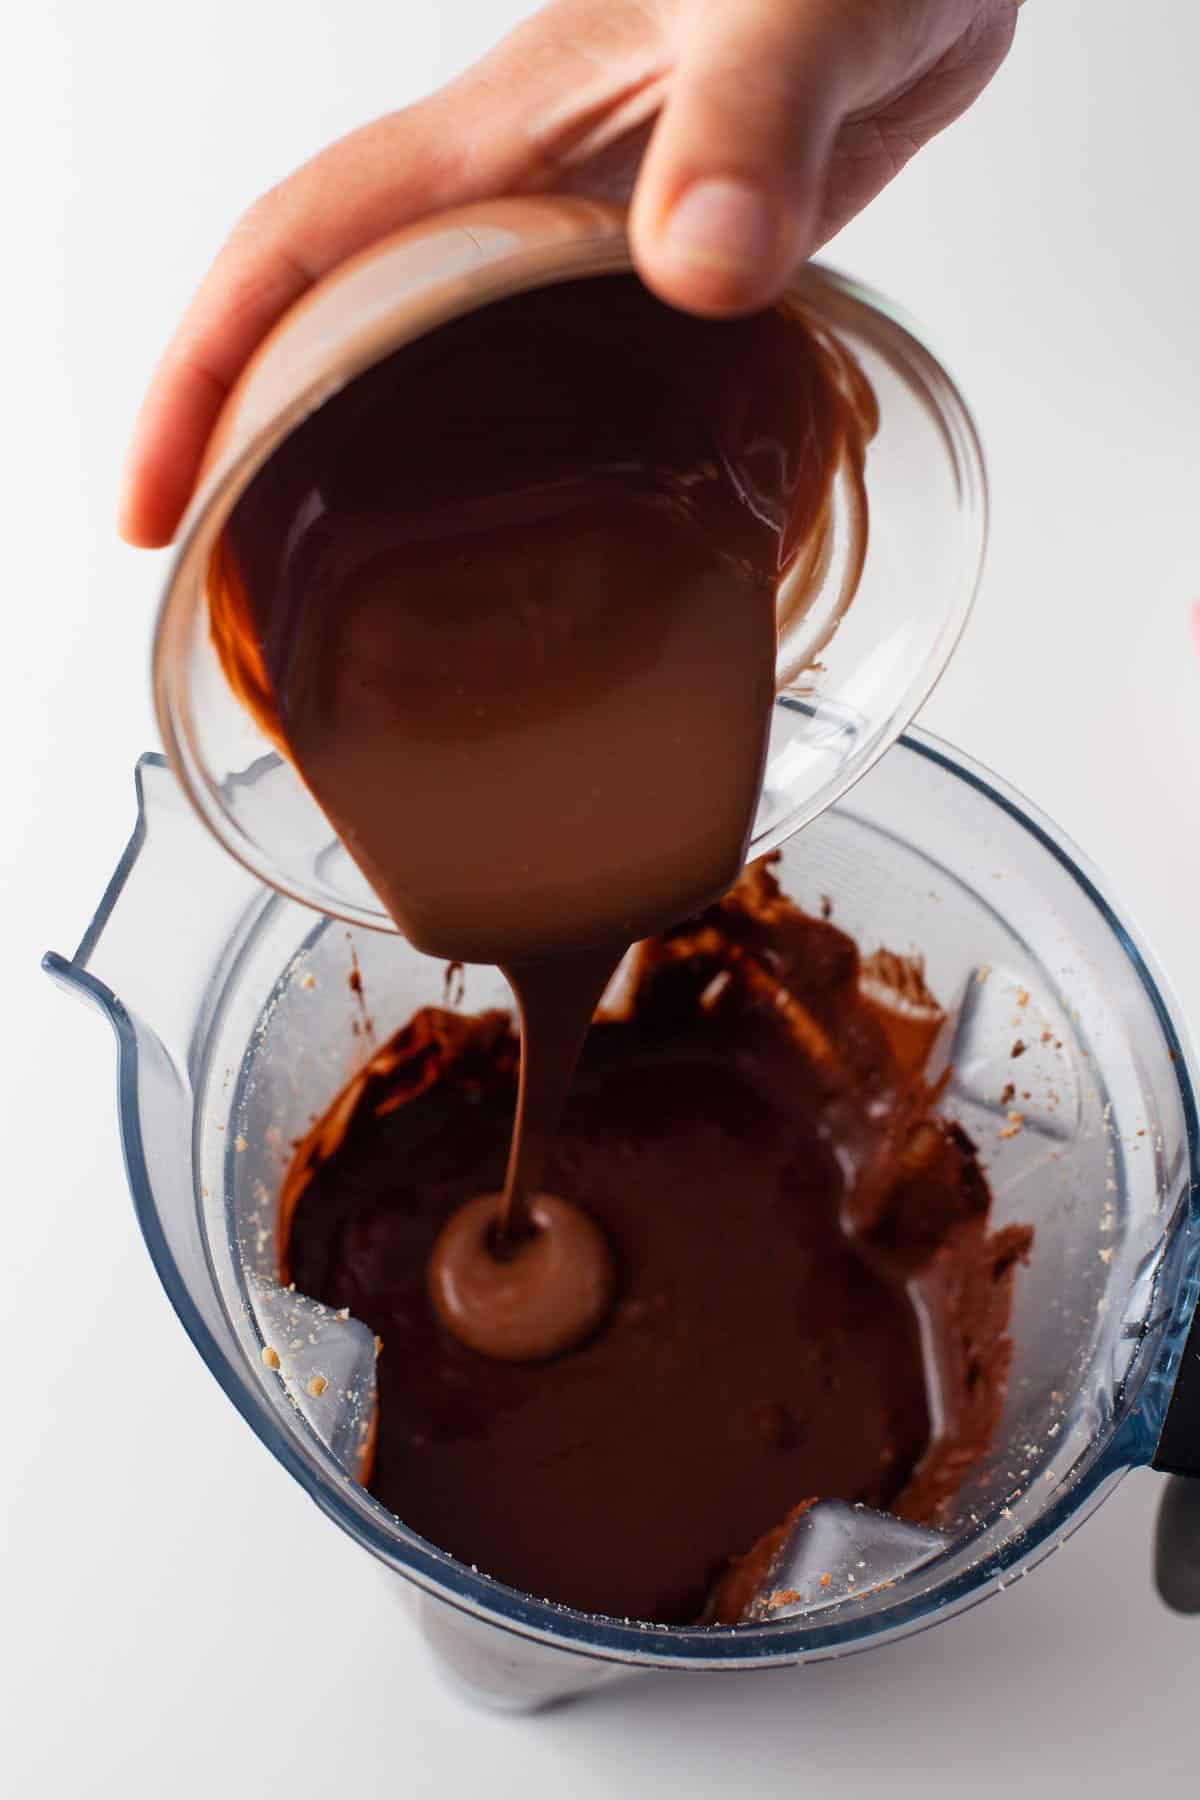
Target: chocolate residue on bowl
757, 1141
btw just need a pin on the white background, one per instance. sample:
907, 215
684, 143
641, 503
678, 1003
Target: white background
177, 1619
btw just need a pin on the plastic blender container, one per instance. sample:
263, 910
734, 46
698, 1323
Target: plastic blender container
225, 1053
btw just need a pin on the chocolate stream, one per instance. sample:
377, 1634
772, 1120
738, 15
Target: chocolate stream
511, 604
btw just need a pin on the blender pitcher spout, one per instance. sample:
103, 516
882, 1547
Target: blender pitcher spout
172, 912
165, 920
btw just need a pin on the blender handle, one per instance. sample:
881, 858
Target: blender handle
1178, 1451
1177, 1546
1177, 1535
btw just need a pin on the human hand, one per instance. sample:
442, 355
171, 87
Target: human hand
746, 131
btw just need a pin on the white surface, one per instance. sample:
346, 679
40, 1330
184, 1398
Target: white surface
178, 1619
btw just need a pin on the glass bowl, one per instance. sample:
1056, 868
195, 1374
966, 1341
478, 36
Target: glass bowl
854, 693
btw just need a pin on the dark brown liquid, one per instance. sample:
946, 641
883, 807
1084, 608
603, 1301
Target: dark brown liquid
753, 1138
509, 604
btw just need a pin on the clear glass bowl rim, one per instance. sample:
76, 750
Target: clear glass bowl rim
603, 252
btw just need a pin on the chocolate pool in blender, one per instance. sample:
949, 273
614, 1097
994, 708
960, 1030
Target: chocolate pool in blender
719, 1339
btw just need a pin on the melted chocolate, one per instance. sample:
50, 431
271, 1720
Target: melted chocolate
752, 1133
509, 603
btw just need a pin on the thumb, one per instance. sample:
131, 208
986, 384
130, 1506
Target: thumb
731, 188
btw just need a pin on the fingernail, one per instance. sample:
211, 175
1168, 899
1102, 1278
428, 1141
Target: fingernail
721, 224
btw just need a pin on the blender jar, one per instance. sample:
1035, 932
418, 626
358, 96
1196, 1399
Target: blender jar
226, 1051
